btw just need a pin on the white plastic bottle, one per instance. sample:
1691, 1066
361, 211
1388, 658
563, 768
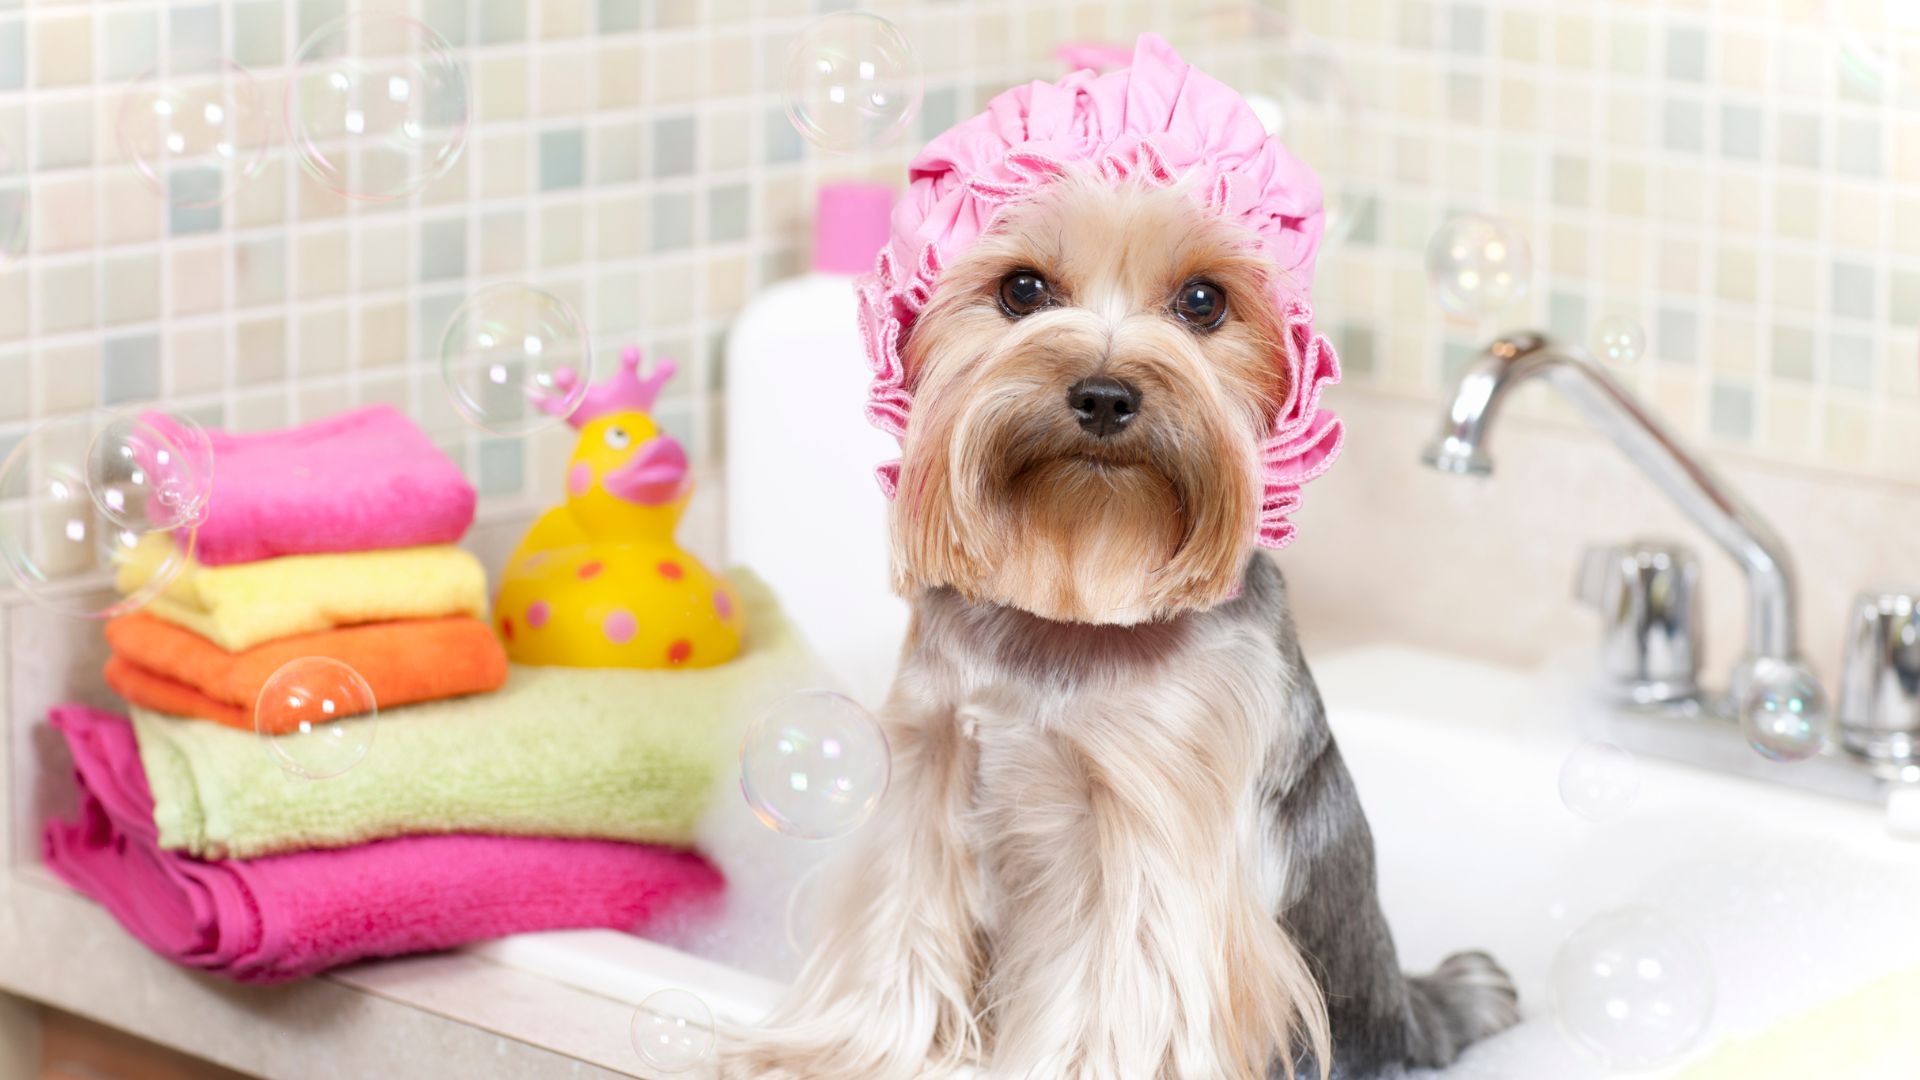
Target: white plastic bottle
803, 509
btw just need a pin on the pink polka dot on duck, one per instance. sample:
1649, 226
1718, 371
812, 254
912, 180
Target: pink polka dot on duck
722, 605
620, 627
579, 479
537, 614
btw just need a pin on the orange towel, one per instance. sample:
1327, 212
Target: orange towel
161, 666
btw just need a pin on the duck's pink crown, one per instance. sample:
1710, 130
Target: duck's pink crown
625, 391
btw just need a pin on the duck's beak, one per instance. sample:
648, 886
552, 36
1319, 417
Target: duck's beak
655, 475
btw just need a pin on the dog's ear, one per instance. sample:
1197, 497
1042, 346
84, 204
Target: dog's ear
934, 541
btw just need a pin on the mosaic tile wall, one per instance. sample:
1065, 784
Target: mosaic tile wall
628, 155
1740, 176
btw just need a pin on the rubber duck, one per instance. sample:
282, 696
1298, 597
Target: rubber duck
599, 580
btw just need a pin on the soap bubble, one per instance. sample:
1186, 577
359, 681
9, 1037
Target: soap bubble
515, 359
1302, 95
1315, 112
13, 205
55, 532
316, 716
1619, 340
150, 471
1632, 988
1598, 781
1870, 34
377, 106
814, 765
1784, 714
1478, 265
672, 1030
195, 138
851, 82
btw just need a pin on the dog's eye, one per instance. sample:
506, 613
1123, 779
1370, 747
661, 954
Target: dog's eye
1202, 304
618, 439
1024, 292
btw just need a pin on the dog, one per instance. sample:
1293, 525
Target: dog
1120, 840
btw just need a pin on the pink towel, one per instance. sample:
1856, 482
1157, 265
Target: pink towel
361, 481
278, 918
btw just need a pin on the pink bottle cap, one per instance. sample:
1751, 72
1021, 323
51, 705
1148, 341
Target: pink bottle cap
850, 225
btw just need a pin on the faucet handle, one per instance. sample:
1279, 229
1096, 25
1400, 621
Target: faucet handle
1879, 710
1647, 594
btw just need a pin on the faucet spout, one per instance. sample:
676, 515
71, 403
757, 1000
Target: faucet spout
1461, 447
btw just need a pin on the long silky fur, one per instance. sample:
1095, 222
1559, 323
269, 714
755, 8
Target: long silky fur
1119, 842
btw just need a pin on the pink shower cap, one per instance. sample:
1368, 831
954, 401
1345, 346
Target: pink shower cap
1161, 121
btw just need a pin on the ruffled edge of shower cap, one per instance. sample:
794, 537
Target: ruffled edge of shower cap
1160, 121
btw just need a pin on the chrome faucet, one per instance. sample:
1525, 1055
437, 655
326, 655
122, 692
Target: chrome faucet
1646, 590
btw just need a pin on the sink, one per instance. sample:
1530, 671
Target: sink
1799, 899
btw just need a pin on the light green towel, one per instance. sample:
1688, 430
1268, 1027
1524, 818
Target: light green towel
607, 753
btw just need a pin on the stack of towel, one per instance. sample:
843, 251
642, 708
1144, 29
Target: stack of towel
331, 540
493, 800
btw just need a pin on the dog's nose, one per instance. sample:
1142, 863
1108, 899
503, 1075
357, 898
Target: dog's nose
1103, 404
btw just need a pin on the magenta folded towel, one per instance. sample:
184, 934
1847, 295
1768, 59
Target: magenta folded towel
281, 917
361, 481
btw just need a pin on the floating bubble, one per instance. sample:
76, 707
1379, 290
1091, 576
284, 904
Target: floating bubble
377, 106
1619, 340
1478, 265
1599, 781
55, 530
814, 765
672, 1030
1784, 714
852, 82
13, 205
515, 359
316, 716
151, 471
195, 138
1633, 988
1871, 34
1303, 97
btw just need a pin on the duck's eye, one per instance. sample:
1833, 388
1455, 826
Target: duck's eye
618, 438
1201, 304
1024, 292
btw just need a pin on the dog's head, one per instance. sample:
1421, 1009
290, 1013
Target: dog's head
1092, 383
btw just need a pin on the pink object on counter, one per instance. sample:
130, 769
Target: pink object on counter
285, 916
361, 481
850, 226
1159, 121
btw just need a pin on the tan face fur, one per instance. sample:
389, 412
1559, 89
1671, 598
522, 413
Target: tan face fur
1005, 495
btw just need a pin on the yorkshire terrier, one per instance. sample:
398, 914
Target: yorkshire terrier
1120, 840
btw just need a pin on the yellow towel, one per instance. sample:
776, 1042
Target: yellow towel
1858, 1037
243, 605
